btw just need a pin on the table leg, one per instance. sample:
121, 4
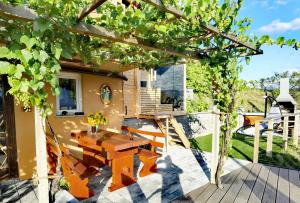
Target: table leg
122, 172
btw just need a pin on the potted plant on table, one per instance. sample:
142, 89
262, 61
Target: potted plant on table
95, 120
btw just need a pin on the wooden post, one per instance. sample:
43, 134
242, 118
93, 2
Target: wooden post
167, 133
270, 138
256, 142
285, 132
296, 130
184, 89
215, 144
41, 156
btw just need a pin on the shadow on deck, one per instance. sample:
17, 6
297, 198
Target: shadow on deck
251, 183
15, 190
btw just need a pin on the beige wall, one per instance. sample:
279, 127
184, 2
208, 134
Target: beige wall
64, 125
131, 92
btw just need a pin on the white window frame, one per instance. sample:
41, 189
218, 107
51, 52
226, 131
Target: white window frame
77, 77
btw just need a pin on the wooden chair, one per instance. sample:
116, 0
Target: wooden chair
74, 171
52, 152
148, 156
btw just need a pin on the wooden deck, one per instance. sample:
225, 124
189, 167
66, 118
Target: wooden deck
252, 183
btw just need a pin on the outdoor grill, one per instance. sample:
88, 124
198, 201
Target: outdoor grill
285, 101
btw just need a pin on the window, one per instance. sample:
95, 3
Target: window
143, 83
69, 101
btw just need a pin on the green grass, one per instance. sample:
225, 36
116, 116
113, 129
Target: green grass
242, 148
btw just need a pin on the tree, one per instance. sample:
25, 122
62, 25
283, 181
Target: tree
198, 79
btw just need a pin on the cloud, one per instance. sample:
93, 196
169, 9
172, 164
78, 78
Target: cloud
269, 4
278, 26
281, 2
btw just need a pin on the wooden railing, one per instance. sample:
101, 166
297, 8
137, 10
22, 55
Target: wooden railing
286, 125
150, 101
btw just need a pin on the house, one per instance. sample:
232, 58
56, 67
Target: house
159, 91
147, 93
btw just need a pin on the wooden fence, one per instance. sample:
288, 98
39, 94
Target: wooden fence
288, 125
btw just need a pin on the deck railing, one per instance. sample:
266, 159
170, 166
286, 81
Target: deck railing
288, 125
150, 101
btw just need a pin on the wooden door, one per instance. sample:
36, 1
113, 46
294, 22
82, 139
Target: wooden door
8, 147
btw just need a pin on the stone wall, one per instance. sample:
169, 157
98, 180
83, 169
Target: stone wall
194, 125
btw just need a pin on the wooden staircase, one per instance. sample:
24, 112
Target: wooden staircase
176, 133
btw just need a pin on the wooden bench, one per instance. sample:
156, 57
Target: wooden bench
74, 171
148, 156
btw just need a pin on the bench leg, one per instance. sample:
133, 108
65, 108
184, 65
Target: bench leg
78, 187
122, 172
149, 166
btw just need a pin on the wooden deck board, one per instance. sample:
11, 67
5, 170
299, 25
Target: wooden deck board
206, 194
253, 183
271, 187
236, 186
227, 182
246, 189
283, 189
294, 181
260, 184
196, 193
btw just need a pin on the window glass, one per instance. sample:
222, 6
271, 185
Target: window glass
171, 81
67, 97
143, 83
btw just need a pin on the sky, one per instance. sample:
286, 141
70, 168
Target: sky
275, 18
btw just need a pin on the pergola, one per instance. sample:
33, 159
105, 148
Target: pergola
26, 14
83, 28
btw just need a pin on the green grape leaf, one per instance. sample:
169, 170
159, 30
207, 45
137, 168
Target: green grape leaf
6, 68
43, 56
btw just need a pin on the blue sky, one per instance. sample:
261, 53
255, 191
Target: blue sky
275, 18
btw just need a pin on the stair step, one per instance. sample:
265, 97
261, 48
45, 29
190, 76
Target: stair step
173, 134
180, 132
176, 140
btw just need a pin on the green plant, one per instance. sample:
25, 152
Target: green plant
63, 184
197, 105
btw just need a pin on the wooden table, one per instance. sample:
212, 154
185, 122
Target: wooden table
117, 149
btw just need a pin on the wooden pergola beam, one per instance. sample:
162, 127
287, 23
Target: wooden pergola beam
79, 67
87, 10
180, 14
26, 14
17, 13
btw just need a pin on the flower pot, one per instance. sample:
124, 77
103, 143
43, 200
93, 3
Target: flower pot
93, 129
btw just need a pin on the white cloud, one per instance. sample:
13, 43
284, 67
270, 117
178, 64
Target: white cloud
270, 4
278, 26
281, 2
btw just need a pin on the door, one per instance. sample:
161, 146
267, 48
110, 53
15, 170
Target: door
8, 149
